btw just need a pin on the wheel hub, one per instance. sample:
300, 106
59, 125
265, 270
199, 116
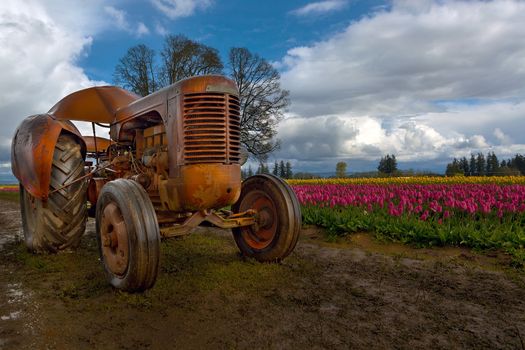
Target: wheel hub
261, 234
114, 238
265, 219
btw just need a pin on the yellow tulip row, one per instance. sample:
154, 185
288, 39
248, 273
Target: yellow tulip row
422, 180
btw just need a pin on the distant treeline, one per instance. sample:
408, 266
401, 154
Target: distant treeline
282, 169
479, 165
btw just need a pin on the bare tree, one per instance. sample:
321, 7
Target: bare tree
183, 58
263, 102
136, 71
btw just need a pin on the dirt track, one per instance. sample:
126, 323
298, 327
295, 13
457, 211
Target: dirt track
358, 294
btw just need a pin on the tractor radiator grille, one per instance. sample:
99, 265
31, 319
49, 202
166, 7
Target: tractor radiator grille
212, 128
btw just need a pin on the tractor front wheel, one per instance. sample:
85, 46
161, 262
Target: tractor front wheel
59, 222
278, 221
128, 235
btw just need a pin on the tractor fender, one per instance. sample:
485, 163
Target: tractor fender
33, 148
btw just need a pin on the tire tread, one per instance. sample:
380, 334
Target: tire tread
63, 216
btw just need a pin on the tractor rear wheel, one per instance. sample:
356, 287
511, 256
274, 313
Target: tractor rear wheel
278, 223
128, 235
59, 222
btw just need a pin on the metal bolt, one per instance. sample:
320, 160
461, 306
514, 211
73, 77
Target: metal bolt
106, 241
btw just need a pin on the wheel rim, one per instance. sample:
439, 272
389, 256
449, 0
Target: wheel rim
114, 239
260, 235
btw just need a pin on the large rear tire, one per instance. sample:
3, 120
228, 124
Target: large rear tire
59, 222
276, 232
128, 235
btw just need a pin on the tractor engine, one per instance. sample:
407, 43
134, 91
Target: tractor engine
191, 162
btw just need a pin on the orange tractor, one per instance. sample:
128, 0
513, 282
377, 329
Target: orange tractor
173, 161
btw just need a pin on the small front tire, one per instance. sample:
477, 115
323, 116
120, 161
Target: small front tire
128, 235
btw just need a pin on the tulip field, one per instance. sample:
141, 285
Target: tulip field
477, 212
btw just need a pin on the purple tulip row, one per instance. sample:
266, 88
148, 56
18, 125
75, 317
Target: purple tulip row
440, 201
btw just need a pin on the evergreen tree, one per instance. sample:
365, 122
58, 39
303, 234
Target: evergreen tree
492, 166
289, 173
275, 169
449, 171
480, 164
518, 163
388, 164
282, 169
454, 168
472, 165
464, 166
393, 163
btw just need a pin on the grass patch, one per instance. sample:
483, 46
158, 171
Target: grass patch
476, 232
10, 196
208, 264
193, 271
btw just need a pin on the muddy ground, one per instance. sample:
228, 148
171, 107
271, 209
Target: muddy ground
355, 293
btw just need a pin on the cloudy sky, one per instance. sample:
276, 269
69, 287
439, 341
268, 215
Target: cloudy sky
425, 80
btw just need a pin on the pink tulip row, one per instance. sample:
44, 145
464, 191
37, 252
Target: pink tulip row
440, 201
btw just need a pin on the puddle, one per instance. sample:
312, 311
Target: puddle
12, 315
14, 293
10, 223
19, 321
18, 315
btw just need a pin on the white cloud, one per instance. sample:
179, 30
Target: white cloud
319, 7
38, 59
121, 22
142, 29
494, 126
317, 143
503, 138
118, 16
180, 8
423, 79
315, 138
404, 60
364, 137
160, 29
